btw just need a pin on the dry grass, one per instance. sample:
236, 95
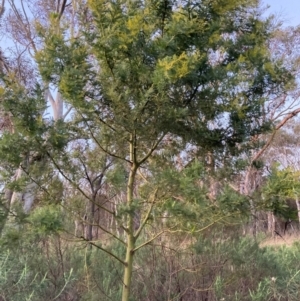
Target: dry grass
277, 241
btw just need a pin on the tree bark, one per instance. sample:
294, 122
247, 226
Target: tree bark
271, 223
130, 243
252, 182
128, 267
90, 219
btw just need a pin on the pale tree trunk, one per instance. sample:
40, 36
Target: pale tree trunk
298, 209
56, 104
26, 198
271, 223
214, 185
29, 196
252, 182
90, 212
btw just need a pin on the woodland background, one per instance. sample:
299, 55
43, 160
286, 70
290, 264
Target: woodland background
149, 151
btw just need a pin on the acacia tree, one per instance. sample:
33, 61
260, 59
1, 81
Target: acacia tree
148, 81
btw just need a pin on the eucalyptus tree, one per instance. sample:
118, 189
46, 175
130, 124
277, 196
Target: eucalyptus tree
280, 109
19, 68
282, 161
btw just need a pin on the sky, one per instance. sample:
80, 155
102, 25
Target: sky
287, 10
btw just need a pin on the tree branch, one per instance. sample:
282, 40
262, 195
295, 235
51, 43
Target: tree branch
102, 228
101, 147
143, 224
148, 241
60, 10
74, 184
2, 8
104, 250
279, 126
66, 114
153, 148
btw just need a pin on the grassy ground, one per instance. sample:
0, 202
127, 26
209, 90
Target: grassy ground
284, 240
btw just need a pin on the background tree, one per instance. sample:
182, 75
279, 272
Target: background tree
19, 66
279, 109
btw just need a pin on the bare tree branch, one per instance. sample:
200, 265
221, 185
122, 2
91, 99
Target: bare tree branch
61, 9
278, 126
105, 250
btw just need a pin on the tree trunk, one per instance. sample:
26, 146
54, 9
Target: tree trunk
29, 196
271, 223
298, 208
90, 219
130, 244
128, 268
252, 182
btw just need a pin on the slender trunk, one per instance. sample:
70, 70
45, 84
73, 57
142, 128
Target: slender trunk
130, 227
29, 196
128, 268
90, 219
26, 197
254, 218
58, 107
271, 223
252, 182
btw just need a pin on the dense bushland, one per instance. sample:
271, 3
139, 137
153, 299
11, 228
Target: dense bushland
202, 267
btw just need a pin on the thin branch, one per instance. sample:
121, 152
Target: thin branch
76, 185
2, 8
101, 147
291, 106
142, 176
105, 123
26, 28
104, 250
100, 177
66, 114
26, 17
87, 175
102, 228
279, 126
60, 10
199, 230
148, 241
34, 181
143, 224
153, 148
